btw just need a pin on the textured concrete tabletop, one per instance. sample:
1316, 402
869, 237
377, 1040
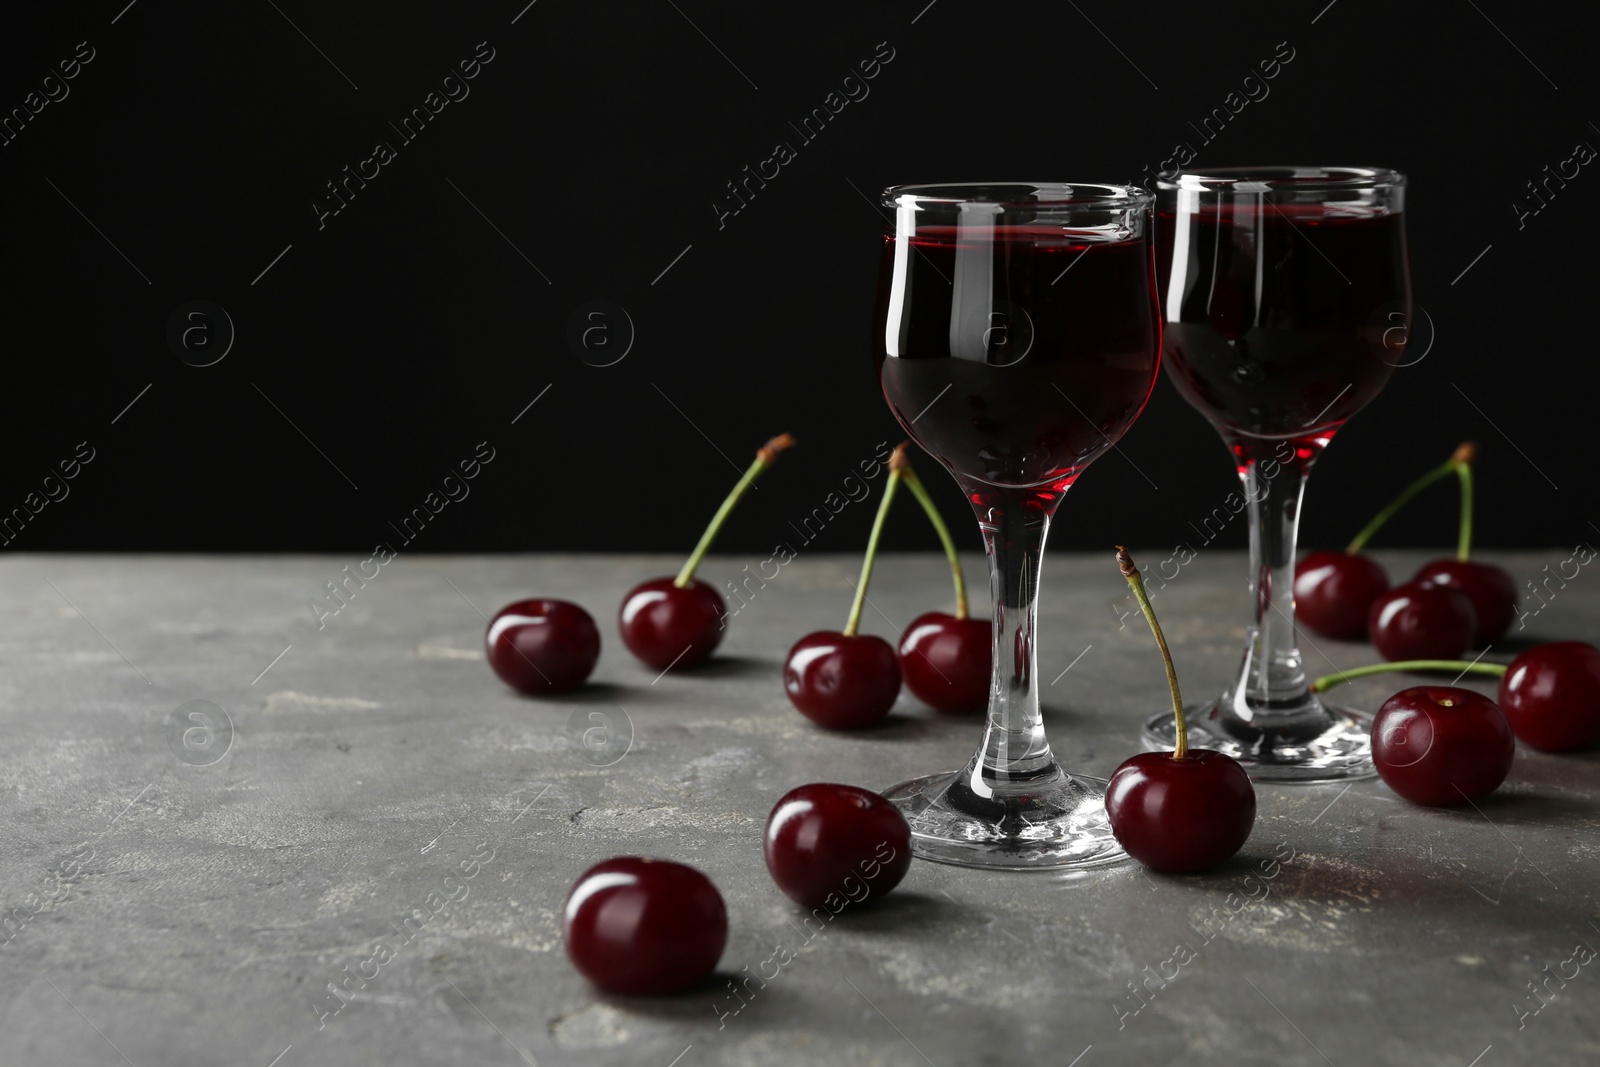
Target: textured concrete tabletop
172, 905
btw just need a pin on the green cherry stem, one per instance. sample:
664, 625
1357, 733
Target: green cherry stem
853, 623
1464, 473
765, 456
899, 461
1136, 583
1459, 464
1460, 666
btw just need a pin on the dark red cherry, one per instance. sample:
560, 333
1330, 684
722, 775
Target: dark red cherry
1490, 588
831, 844
1438, 744
945, 661
1420, 621
671, 626
542, 646
1181, 815
842, 682
666, 625
1551, 696
1333, 591
644, 926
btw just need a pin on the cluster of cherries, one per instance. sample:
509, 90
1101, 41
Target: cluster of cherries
1178, 811
650, 926
846, 680
1448, 606
643, 926
1442, 744
842, 680
638, 925
541, 645
1436, 744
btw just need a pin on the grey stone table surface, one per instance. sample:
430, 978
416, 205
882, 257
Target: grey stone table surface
167, 902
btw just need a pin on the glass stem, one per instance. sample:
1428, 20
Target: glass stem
1014, 754
1271, 686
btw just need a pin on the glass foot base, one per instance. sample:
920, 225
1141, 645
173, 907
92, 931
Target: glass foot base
1336, 748
1058, 825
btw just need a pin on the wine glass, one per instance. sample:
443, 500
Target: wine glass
1285, 292
1017, 338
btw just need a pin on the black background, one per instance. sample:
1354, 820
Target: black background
408, 329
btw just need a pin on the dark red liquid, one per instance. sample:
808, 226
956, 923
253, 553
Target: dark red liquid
1285, 320
1008, 371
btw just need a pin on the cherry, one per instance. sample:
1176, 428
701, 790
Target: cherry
1551, 695
1181, 814
1178, 811
1490, 588
945, 658
667, 625
542, 646
1333, 591
828, 843
674, 623
946, 661
1421, 621
644, 926
1437, 744
842, 681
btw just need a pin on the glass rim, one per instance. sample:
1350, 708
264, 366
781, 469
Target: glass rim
1285, 178
1027, 194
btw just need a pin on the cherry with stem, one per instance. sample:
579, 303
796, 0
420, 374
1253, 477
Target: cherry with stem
674, 623
1440, 745
1550, 694
1184, 810
1490, 588
1420, 620
946, 659
1334, 591
1459, 464
1424, 618
845, 680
